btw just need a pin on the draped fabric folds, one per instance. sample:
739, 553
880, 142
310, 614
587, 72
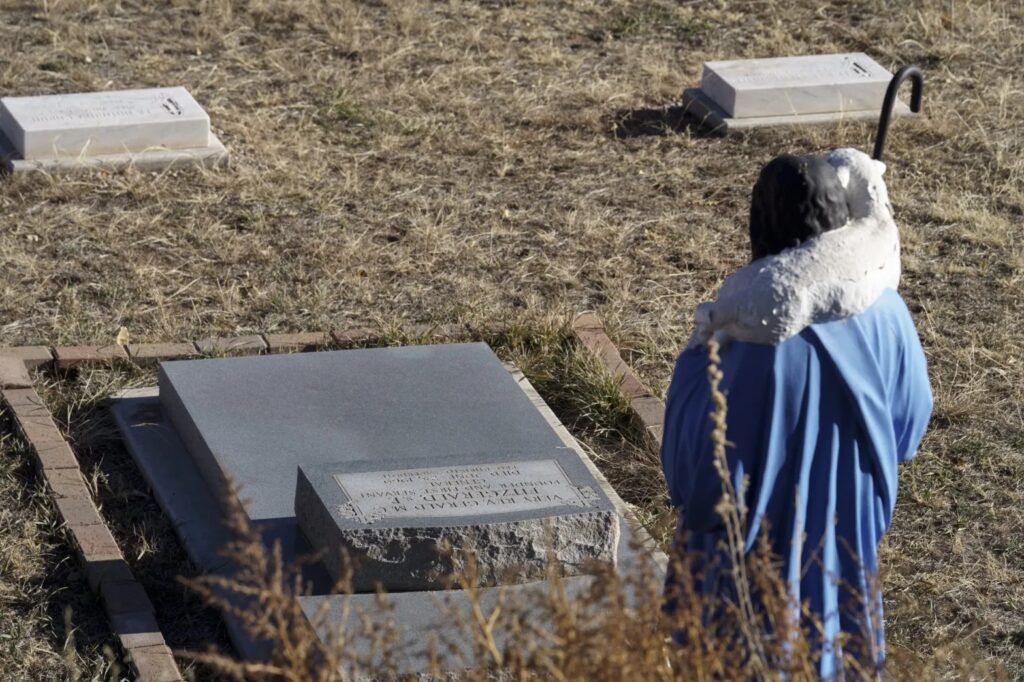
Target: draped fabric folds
817, 425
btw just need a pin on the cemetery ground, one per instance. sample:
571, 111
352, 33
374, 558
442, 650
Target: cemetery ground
505, 162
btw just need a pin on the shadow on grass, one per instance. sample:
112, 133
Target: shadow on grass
657, 121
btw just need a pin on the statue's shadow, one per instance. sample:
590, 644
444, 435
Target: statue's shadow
664, 120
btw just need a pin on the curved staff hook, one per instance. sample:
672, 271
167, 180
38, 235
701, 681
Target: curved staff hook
909, 71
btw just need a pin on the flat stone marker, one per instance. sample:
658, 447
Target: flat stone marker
748, 93
96, 123
396, 525
149, 128
783, 86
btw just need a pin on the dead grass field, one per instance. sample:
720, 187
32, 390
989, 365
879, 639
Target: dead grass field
459, 161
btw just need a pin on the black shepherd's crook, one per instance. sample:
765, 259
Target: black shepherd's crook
913, 73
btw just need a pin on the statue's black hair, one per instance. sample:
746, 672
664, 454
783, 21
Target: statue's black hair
796, 198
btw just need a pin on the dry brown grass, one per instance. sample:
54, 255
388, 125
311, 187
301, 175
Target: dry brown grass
53, 627
443, 161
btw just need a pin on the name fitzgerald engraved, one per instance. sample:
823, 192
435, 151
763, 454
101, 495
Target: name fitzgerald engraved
452, 491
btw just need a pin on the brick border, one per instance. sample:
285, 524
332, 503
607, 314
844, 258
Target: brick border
646, 409
15, 359
129, 611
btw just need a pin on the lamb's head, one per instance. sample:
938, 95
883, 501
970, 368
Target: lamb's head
861, 176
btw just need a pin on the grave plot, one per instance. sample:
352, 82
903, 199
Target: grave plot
755, 93
390, 454
147, 129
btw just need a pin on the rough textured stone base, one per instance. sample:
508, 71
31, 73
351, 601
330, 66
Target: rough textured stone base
406, 559
714, 118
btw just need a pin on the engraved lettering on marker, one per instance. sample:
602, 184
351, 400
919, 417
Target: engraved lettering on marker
457, 490
126, 106
173, 107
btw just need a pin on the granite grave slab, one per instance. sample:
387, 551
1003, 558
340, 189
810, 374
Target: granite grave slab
148, 128
160, 451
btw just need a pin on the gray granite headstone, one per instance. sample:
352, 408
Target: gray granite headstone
360, 414
408, 527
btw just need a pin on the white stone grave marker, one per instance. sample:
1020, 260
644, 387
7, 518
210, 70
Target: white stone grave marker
748, 93
150, 128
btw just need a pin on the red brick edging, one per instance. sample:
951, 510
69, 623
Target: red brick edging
13, 360
128, 608
647, 409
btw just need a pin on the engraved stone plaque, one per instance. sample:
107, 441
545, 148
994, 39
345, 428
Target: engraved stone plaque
784, 86
397, 525
444, 492
100, 123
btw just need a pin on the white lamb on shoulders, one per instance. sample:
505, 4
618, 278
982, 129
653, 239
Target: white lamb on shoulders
833, 276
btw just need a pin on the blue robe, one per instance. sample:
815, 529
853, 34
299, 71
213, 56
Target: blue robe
818, 424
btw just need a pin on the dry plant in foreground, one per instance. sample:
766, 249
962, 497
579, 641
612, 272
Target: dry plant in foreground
617, 627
